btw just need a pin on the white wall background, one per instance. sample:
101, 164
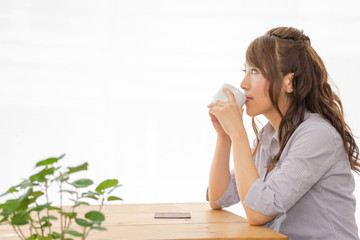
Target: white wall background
124, 84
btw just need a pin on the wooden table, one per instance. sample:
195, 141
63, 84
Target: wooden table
136, 221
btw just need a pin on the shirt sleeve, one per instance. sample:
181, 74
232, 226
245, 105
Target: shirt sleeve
231, 196
311, 153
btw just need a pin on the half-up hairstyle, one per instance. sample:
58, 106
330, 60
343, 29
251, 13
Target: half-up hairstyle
286, 50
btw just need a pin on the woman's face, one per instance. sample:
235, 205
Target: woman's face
256, 90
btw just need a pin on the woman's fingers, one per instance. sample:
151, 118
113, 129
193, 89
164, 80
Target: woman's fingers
213, 118
217, 103
215, 110
231, 96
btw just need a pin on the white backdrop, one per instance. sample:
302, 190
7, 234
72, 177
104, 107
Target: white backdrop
124, 84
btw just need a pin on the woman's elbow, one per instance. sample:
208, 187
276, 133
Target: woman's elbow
259, 219
214, 206
255, 218
255, 222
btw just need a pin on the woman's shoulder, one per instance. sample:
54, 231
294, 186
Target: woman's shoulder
316, 128
316, 120
316, 138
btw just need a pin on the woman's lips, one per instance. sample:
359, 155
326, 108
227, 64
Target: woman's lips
248, 99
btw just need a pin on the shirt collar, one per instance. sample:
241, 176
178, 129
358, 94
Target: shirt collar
267, 135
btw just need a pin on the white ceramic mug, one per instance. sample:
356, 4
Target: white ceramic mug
221, 95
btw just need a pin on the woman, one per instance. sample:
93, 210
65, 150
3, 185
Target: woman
296, 179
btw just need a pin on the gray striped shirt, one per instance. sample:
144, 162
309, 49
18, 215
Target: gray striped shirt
311, 188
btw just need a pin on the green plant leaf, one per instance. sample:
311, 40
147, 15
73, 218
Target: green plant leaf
26, 183
35, 237
82, 183
11, 190
25, 195
37, 194
9, 207
69, 214
4, 219
73, 233
69, 191
19, 219
46, 162
14, 205
49, 161
81, 167
46, 224
106, 184
114, 198
95, 217
3, 205
99, 228
54, 208
40, 176
55, 235
81, 203
83, 222
47, 218
92, 195
41, 207
62, 177
119, 185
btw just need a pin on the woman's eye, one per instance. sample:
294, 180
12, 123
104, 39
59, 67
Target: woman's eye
254, 71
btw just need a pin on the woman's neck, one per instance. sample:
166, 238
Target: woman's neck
274, 119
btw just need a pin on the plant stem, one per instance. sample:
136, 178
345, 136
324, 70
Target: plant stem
17, 232
84, 236
69, 223
21, 232
73, 208
87, 233
47, 209
102, 203
41, 228
33, 226
61, 211
65, 223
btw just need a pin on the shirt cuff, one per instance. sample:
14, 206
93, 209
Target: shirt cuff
230, 197
261, 199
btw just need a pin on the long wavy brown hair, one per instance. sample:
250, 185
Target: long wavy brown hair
286, 50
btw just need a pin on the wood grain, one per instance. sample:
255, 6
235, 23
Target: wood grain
136, 221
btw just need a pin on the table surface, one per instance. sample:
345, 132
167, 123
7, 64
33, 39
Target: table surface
136, 221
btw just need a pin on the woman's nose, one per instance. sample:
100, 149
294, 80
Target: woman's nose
244, 84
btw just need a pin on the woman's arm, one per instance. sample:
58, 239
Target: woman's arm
220, 171
246, 174
245, 170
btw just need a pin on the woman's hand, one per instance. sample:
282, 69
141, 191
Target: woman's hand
226, 117
218, 128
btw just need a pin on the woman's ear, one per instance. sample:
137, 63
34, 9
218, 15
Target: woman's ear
287, 83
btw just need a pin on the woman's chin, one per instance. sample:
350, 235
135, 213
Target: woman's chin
251, 113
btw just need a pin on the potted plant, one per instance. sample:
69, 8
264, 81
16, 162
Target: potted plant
32, 215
